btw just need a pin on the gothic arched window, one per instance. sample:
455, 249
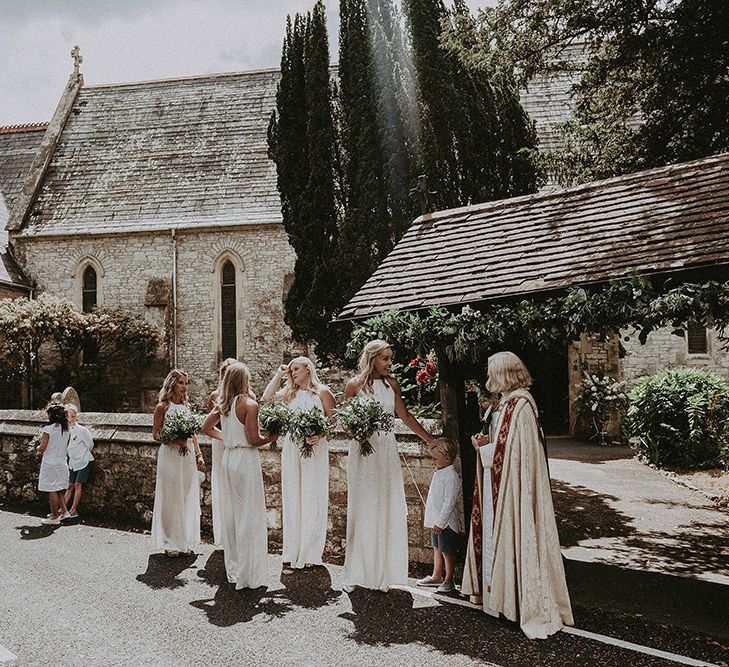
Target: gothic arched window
228, 319
89, 295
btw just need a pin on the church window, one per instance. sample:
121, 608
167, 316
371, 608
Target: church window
697, 338
229, 334
89, 290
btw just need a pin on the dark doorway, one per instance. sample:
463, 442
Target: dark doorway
550, 388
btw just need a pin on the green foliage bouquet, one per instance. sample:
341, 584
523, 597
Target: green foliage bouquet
273, 418
303, 424
180, 426
362, 416
680, 417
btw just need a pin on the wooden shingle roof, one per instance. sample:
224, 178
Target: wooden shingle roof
661, 220
154, 155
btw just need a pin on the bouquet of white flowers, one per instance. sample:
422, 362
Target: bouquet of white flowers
180, 426
273, 418
303, 424
362, 416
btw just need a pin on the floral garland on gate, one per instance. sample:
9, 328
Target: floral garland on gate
471, 334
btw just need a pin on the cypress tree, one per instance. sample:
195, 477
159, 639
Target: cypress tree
366, 234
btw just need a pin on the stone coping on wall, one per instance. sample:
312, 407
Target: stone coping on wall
134, 427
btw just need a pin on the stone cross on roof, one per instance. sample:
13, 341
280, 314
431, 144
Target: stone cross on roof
77, 59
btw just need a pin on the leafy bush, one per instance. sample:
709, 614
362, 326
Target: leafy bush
679, 417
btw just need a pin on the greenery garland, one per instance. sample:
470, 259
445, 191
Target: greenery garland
546, 323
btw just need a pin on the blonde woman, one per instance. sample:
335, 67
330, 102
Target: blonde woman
176, 515
304, 481
244, 535
516, 567
377, 529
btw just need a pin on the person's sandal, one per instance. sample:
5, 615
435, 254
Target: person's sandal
172, 553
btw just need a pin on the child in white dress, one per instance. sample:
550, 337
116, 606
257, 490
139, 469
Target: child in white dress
244, 534
53, 476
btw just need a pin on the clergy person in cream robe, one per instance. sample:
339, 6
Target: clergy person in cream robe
514, 563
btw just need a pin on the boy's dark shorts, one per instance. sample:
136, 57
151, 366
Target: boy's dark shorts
80, 476
447, 541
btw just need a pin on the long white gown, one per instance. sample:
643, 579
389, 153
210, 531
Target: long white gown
176, 514
377, 530
244, 534
304, 493
217, 449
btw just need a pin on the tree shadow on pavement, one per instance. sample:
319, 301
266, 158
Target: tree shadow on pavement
36, 532
583, 514
163, 572
385, 619
691, 549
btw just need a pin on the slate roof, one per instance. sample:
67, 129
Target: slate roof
159, 154
656, 221
18, 144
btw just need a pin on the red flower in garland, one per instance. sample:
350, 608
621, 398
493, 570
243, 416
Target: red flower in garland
431, 368
422, 376
415, 362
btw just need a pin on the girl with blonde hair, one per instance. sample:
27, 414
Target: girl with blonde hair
377, 531
512, 505
304, 481
244, 535
176, 514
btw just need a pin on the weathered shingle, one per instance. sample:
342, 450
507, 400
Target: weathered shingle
182, 152
18, 144
659, 220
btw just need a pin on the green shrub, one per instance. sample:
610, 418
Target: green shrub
679, 417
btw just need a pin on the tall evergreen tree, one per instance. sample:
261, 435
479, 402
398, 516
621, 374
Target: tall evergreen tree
301, 143
366, 234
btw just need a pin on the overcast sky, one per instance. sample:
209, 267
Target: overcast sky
134, 40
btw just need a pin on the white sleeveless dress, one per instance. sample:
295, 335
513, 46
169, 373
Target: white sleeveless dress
176, 514
377, 530
244, 534
304, 493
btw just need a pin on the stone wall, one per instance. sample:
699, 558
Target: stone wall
132, 267
664, 349
122, 486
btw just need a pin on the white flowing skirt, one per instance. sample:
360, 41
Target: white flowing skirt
244, 535
176, 515
217, 456
305, 500
377, 528
53, 476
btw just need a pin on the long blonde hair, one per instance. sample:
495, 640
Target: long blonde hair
236, 379
168, 386
371, 351
314, 385
221, 372
506, 373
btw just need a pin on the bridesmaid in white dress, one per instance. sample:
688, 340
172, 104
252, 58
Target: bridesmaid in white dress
377, 531
244, 535
304, 481
176, 514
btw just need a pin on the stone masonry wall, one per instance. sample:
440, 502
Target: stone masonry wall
123, 481
130, 263
664, 349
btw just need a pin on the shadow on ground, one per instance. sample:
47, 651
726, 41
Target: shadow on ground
164, 572
386, 619
691, 549
37, 532
309, 589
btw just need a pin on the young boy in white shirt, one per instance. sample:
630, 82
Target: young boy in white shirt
444, 515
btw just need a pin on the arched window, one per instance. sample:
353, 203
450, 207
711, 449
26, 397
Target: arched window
228, 318
89, 297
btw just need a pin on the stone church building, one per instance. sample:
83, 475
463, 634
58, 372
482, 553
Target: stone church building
159, 197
